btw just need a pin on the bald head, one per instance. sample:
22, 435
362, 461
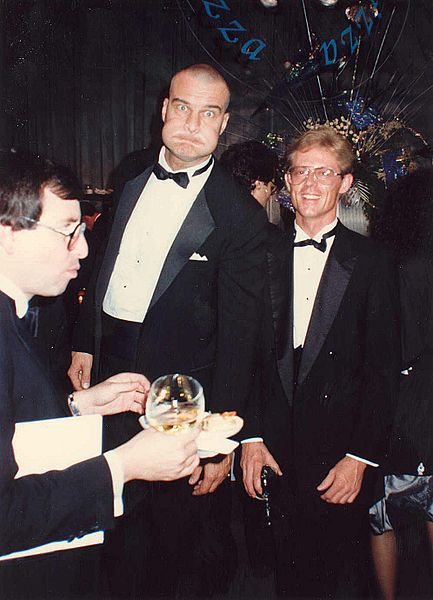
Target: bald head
205, 74
195, 115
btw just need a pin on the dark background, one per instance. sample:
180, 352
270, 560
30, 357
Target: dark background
82, 80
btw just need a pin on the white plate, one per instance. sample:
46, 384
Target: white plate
210, 444
235, 424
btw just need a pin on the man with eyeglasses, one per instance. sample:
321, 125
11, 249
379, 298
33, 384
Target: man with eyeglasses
41, 245
329, 385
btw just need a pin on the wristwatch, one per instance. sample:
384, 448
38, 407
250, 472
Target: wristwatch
75, 411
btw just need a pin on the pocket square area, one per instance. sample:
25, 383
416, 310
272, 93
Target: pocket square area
197, 256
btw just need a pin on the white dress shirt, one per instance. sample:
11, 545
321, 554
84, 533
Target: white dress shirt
308, 265
147, 239
10, 289
114, 463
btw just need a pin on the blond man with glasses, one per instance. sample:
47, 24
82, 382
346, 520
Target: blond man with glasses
329, 383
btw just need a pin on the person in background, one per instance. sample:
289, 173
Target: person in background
41, 245
254, 166
405, 224
330, 380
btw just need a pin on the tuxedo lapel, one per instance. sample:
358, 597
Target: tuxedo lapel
127, 203
333, 284
194, 231
280, 269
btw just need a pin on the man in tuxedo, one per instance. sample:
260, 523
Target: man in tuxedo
183, 269
41, 244
329, 377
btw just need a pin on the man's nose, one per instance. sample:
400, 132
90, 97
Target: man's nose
82, 248
193, 121
311, 176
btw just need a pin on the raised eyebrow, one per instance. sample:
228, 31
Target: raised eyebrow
207, 107
180, 100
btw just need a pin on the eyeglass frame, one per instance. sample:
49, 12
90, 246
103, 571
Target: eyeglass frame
73, 236
313, 170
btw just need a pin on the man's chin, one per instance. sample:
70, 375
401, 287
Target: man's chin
60, 287
187, 153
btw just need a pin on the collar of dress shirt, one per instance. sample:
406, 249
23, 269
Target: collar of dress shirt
301, 235
10, 289
190, 170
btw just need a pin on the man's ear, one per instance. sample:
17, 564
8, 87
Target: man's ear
287, 181
257, 184
226, 118
7, 235
164, 109
346, 183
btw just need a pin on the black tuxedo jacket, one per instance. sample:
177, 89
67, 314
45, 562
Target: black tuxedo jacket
204, 316
37, 509
348, 375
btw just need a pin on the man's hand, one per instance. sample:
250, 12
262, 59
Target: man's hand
343, 482
155, 456
254, 457
213, 475
120, 393
80, 370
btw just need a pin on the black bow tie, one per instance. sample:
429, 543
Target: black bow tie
318, 245
181, 178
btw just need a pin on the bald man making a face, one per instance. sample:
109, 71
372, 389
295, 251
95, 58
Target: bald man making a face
182, 273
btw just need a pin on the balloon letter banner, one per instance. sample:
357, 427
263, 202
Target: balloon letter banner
347, 36
213, 11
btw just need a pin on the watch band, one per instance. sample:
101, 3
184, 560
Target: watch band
75, 411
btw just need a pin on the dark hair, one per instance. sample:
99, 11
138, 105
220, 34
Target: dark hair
23, 179
250, 161
326, 137
404, 221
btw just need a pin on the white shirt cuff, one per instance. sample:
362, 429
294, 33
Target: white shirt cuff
253, 439
116, 470
363, 460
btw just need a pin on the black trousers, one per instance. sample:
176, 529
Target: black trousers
322, 550
170, 544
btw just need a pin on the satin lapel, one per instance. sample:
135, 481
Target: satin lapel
127, 202
281, 287
196, 228
333, 284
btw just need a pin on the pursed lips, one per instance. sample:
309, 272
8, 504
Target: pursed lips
187, 140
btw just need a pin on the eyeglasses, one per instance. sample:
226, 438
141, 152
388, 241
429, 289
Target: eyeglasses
323, 175
73, 237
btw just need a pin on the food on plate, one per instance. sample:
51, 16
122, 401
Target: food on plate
224, 423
